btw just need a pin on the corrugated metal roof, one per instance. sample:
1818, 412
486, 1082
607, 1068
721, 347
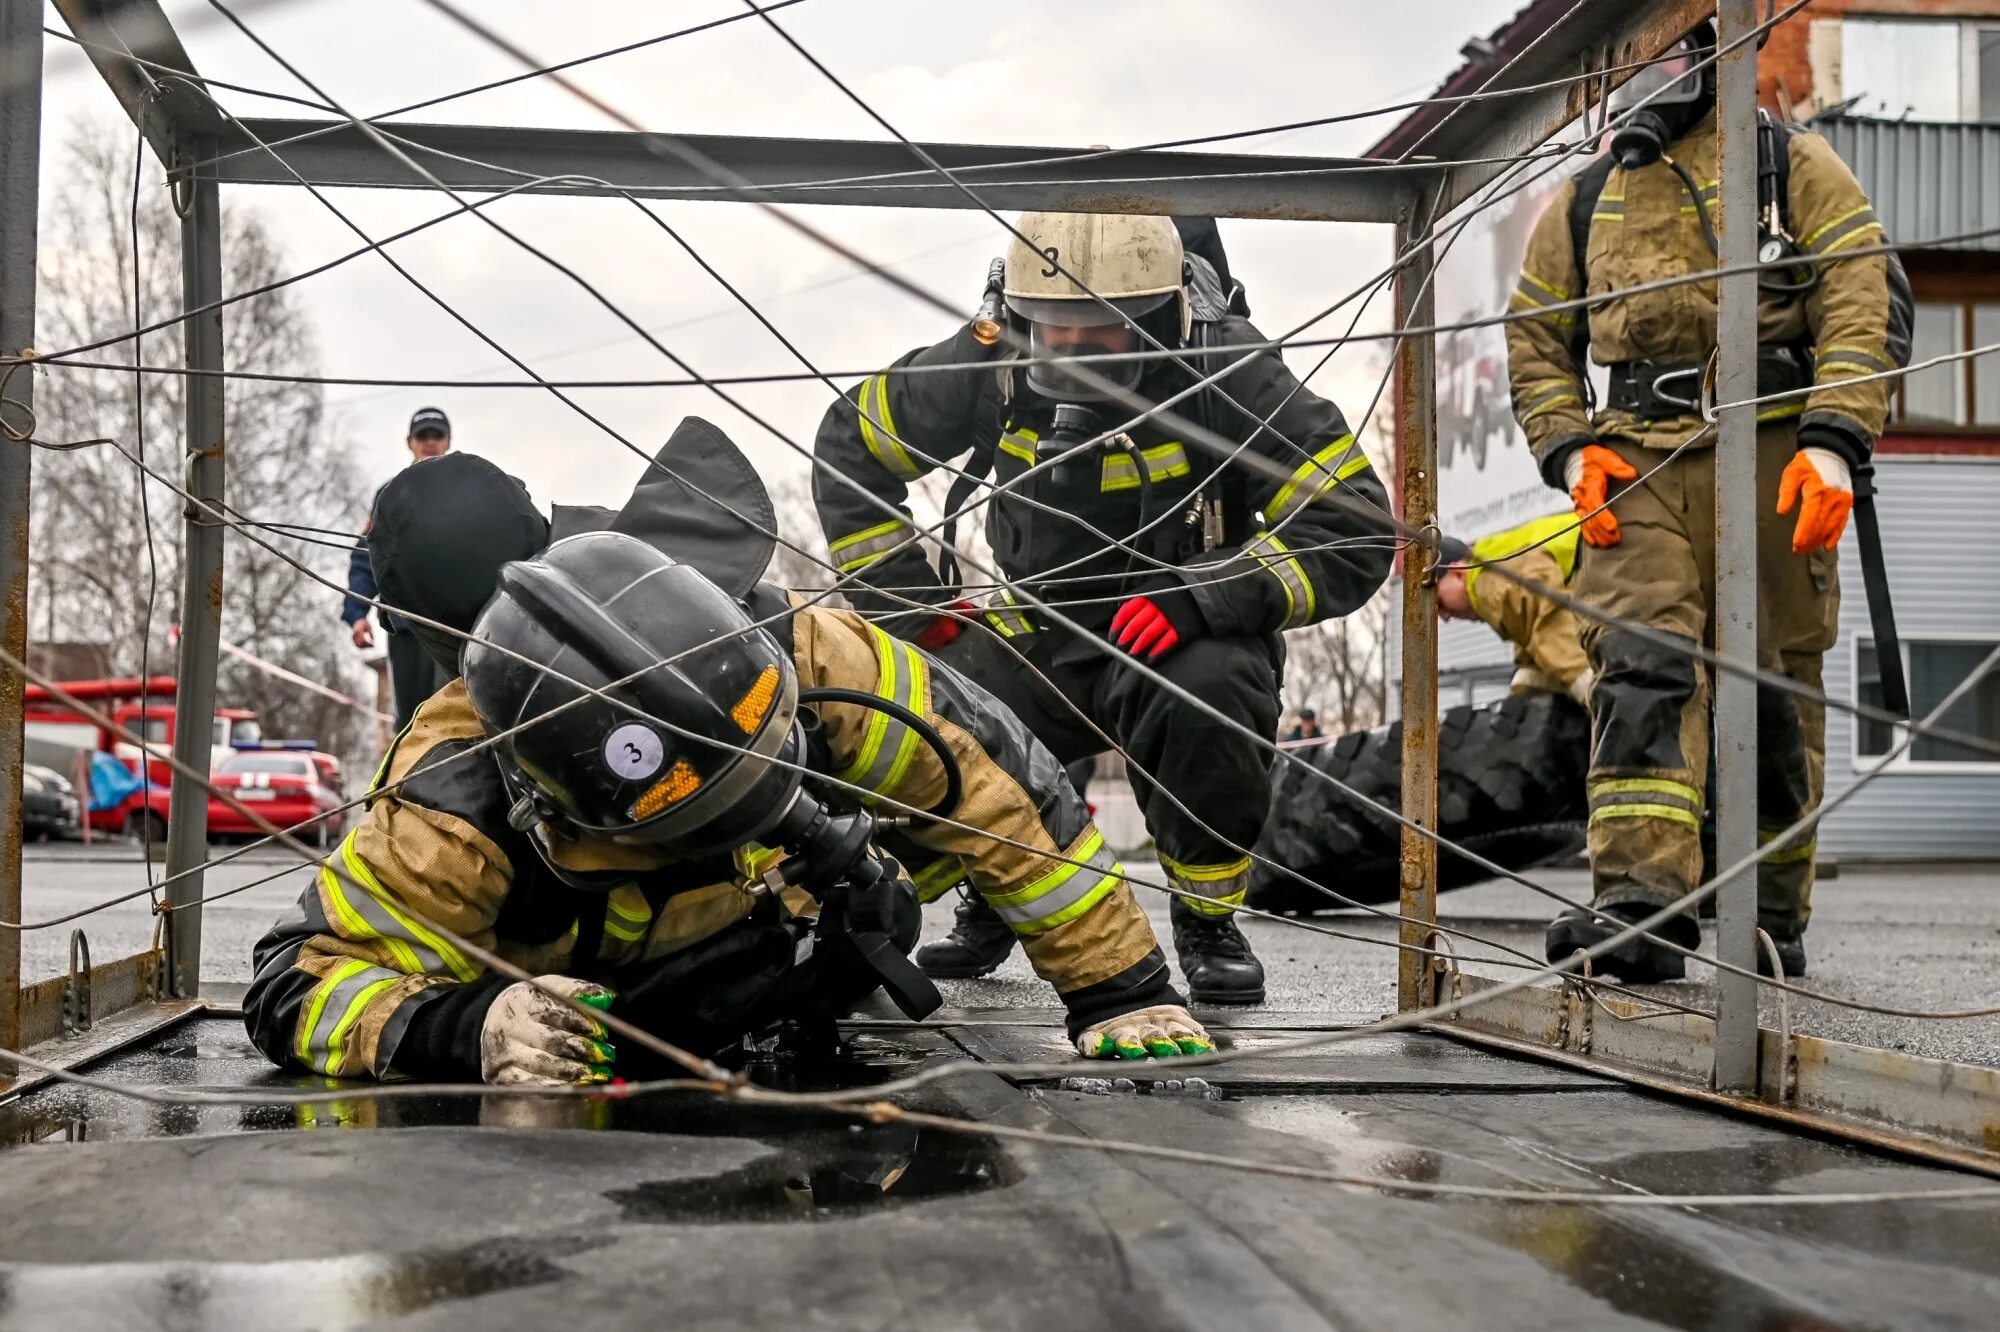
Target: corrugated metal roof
1925, 179
1508, 40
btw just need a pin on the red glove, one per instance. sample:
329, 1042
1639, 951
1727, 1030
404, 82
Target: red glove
1156, 622
1589, 473
944, 629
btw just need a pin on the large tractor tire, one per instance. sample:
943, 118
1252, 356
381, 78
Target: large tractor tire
1510, 788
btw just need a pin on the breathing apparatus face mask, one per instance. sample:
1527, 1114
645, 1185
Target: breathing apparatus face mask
1058, 330
1676, 92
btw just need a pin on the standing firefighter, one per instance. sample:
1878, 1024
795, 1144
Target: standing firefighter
671, 847
1636, 216
1548, 649
1156, 546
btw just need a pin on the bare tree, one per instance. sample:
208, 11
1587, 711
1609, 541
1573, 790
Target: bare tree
805, 569
1335, 668
799, 561
107, 553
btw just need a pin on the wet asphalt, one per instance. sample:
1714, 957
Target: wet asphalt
437, 1212
1919, 937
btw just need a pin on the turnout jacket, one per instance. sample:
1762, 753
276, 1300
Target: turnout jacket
356, 980
1548, 651
1284, 558
1644, 227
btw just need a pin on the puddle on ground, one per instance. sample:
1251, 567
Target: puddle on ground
218, 1055
821, 1174
351, 1291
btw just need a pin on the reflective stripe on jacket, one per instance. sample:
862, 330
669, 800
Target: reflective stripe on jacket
1543, 632
1645, 228
1289, 557
339, 978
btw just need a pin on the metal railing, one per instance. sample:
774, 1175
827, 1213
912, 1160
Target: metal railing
144, 64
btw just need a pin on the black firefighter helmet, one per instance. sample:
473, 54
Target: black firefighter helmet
697, 701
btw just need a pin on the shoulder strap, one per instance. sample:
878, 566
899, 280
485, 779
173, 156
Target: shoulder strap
1774, 162
1589, 185
1228, 484
987, 423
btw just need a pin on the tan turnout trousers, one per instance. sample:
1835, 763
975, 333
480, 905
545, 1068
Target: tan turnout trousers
1650, 708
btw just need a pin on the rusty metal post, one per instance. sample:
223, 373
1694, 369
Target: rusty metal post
20, 174
1416, 446
201, 583
1734, 799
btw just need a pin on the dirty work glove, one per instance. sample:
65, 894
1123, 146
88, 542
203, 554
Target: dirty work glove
941, 631
1822, 478
1588, 474
1163, 1030
1158, 620
1579, 688
531, 1038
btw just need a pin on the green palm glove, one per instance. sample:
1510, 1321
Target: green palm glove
1162, 1031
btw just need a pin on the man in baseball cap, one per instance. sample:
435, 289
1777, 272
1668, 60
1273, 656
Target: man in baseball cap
413, 676
430, 433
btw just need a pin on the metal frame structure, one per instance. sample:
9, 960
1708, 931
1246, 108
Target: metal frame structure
1457, 149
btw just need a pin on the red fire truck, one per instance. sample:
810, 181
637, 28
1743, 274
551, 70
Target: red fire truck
56, 735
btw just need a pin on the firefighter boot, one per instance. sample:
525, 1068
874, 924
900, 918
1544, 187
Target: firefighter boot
1216, 958
1639, 961
1790, 937
978, 942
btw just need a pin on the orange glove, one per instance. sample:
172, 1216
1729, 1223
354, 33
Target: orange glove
1821, 476
1589, 473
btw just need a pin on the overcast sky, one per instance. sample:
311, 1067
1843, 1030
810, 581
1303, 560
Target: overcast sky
1033, 71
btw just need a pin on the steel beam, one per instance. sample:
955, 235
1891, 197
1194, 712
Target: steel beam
800, 171
170, 112
1734, 799
201, 588
1928, 1108
1594, 34
1416, 446
20, 174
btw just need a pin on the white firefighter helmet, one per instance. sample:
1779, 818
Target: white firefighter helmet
1068, 261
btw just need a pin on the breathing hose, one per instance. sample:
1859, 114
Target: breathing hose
1766, 282
954, 780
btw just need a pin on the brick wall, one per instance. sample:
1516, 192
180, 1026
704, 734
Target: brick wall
1785, 67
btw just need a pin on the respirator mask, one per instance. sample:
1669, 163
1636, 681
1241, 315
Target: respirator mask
1676, 91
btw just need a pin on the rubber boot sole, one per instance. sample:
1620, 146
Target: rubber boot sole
1227, 998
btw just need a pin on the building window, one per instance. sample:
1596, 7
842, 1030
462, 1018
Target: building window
1933, 669
1921, 69
1959, 393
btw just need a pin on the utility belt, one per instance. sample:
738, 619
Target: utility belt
1660, 390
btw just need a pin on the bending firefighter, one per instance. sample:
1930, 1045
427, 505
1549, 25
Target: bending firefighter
1638, 215
1162, 551
1548, 651
679, 848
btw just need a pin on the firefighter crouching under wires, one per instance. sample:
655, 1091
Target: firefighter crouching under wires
1163, 553
1548, 652
1637, 215
657, 852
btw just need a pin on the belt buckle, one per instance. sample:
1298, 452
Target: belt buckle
1689, 403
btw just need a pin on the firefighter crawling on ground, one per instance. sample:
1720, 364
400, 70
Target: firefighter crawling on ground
687, 849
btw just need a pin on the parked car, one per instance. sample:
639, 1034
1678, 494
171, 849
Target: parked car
285, 786
49, 807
